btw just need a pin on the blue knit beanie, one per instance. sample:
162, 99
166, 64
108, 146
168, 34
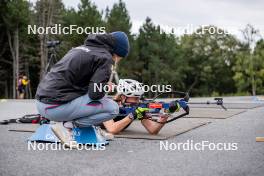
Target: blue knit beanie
121, 47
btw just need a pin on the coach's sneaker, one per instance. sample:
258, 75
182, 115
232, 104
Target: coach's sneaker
104, 134
65, 135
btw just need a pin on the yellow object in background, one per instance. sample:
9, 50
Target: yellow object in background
24, 82
259, 139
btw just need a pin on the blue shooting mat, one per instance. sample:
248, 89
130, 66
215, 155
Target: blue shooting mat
88, 135
44, 134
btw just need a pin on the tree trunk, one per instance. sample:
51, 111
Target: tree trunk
42, 39
46, 20
14, 48
6, 89
253, 83
43, 55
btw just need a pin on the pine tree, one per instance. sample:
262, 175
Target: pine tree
118, 18
209, 60
87, 15
15, 19
48, 13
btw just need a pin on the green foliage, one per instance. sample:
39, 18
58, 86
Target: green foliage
87, 15
14, 18
259, 66
17, 14
210, 58
210, 64
118, 18
159, 60
242, 70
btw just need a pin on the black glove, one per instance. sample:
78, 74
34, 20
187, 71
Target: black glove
174, 106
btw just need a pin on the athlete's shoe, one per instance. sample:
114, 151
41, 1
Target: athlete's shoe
104, 134
65, 135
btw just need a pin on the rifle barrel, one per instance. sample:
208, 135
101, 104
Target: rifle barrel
203, 103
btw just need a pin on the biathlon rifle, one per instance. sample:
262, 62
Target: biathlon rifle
160, 107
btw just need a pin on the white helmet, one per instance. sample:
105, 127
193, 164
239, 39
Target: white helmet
130, 88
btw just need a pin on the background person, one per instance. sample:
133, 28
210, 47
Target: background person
21, 86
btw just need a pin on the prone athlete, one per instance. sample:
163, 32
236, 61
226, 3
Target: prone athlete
127, 97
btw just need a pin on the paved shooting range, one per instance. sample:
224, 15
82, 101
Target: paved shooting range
122, 87
137, 146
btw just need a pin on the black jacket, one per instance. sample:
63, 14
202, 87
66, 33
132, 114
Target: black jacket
77, 72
